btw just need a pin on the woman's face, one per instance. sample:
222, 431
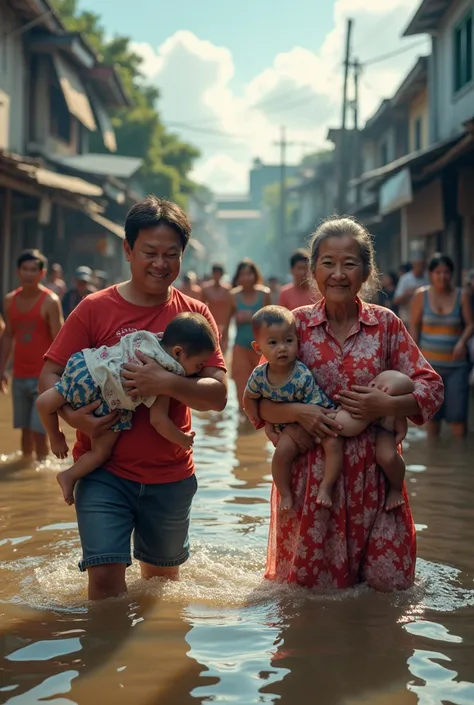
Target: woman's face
441, 277
247, 278
339, 270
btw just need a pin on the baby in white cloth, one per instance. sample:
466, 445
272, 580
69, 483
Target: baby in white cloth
94, 373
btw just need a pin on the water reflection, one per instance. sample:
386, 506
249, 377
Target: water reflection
223, 634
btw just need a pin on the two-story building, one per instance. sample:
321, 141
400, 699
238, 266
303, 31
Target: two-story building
315, 193
421, 195
53, 94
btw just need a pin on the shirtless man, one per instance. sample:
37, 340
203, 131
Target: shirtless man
33, 317
190, 287
216, 294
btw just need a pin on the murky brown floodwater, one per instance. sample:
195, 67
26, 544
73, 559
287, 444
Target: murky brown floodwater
222, 635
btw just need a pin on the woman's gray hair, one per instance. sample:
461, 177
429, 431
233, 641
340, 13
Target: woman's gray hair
346, 226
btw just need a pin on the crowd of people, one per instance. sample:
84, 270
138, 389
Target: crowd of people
331, 365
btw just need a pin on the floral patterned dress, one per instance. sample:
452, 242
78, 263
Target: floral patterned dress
356, 540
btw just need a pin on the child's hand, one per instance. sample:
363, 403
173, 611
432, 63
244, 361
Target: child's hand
59, 446
272, 434
188, 441
401, 429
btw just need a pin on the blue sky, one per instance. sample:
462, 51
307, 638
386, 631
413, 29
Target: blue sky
231, 73
254, 30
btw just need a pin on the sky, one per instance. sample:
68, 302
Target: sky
231, 74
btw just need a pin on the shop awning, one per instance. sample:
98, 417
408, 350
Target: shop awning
51, 179
413, 160
74, 93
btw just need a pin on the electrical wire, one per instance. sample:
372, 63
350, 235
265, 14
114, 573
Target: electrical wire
390, 54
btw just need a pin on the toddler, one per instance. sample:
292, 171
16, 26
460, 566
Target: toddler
94, 373
283, 378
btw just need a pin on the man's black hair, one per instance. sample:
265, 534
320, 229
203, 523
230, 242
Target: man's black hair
192, 332
153, 211
300, 255
272, 316
32, 256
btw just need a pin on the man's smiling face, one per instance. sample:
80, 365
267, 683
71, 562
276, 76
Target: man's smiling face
155, 259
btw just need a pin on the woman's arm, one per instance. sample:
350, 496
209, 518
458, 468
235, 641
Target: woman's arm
405, 356
316, 420
416, 315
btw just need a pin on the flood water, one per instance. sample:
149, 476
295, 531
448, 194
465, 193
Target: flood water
223, 634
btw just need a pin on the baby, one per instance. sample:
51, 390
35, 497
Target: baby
94, 373
283, 378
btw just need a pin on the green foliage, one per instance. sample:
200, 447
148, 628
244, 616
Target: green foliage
139, 130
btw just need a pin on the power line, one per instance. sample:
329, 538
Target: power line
203, 130
389, 55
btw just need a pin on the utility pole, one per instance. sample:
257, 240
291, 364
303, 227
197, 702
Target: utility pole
355, 107
343, 142
282, 145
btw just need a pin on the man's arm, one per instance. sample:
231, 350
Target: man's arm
54, 315
208, 392
81, 419
7, 339
403, 293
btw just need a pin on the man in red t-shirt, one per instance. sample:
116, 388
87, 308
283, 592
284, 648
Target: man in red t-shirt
299, 293
148, 483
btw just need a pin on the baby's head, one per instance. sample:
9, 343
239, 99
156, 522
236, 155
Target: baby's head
274, 329
190, 340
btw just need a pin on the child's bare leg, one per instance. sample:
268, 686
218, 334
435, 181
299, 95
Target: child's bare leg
333, 460
393, 466
163, 425
283, 457
48, 405
101, 449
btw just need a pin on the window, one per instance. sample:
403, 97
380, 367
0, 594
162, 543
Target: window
463, 53
383, 154
417, 134
59, 114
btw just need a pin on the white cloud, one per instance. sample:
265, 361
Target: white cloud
301, 89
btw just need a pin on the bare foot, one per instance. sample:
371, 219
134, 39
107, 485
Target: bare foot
67, 486
394, 500
324, 498
59, 446
286, 503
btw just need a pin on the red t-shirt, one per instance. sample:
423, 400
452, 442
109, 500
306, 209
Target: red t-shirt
140, 454
292, 297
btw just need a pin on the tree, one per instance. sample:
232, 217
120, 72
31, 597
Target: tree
139, 130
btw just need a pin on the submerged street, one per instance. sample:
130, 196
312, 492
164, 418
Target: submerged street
223, 634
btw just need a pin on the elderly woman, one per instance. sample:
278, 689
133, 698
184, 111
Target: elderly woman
346, 343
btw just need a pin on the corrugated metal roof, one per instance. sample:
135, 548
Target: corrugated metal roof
100, 164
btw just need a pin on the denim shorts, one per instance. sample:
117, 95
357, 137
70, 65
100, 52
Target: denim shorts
455, 408
79, 389
110, 508
24, 396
